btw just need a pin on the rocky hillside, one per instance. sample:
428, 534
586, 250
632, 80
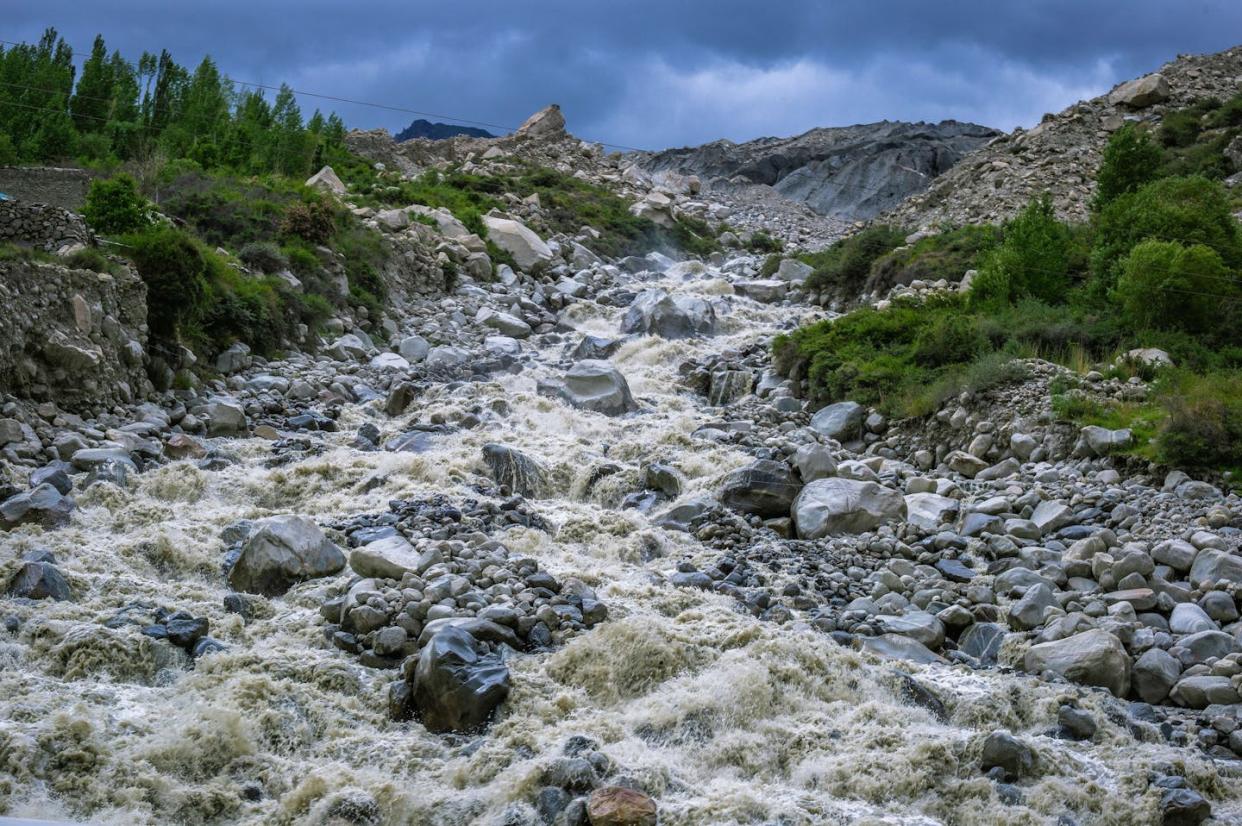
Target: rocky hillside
850, 172
1062, 154
423, 128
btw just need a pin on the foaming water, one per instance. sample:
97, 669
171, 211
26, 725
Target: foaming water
724, 718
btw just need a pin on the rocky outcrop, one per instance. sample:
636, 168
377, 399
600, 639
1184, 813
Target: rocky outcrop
849, 172
1062, 154
76, 337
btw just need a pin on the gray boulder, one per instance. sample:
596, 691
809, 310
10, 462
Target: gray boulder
827, 507
841, 421
1155, 674
1093, 657
1028, 612
1188, 618
929, 510
414, 348
814, 462
225, 417
1212, 565
390, 557
1141, 92
1100, 441
448, 357
235, 359
38, 579
529, 251
44, 506
593, 385
514, 469
455, 687
764, 488
655, 312
282, 551
1004, 751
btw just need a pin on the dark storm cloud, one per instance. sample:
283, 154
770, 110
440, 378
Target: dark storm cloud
651, 74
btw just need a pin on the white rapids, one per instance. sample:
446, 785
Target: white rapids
723, 717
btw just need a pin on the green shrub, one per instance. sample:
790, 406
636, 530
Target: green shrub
1204, 425
846, 264
175, 271
90, 258
1188, 211
947, 255
1167, 286
770, 265
949, 339
1228, 115
761, 242
263, 256
1181, 127
312, 222
114, 206
1131, 160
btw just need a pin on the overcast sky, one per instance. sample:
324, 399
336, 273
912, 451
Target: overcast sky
658, 73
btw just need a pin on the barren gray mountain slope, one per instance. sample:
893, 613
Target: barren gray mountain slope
848, 172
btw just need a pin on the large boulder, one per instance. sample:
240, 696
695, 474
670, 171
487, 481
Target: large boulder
39, 579
546, 123
655, 312
282, 551
929, 510
390, 557
1212, 565
456, 685
1100, 441
44, 505
529, 251
594, 385
1141, 92
835, 506
764, 488
1094, 657
514, 469
326, 180
841, 421
225, 417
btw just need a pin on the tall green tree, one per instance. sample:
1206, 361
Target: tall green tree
92, 101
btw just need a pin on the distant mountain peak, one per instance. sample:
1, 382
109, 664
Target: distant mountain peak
427, 130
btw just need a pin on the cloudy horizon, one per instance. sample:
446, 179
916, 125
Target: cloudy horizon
653, 77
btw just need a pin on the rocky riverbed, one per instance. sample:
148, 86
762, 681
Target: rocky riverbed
567, 551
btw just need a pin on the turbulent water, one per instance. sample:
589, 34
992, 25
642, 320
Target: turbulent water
723, 717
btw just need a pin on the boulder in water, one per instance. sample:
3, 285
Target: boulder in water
621, 806
655, 312
39, 579
514, 469
282, 551
454, 687
44, 506
1094, 657
593, 385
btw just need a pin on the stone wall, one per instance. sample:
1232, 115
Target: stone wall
65, 188
76, 337
41, 225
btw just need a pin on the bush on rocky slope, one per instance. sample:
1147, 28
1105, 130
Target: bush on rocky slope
197, 296
566, 204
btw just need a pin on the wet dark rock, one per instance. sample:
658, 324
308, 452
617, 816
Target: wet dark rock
514, 469
1075, 723
40, 580
455, 686
1004, 751
44, 506
282, 551
55, 474
1183, 807
185, 631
